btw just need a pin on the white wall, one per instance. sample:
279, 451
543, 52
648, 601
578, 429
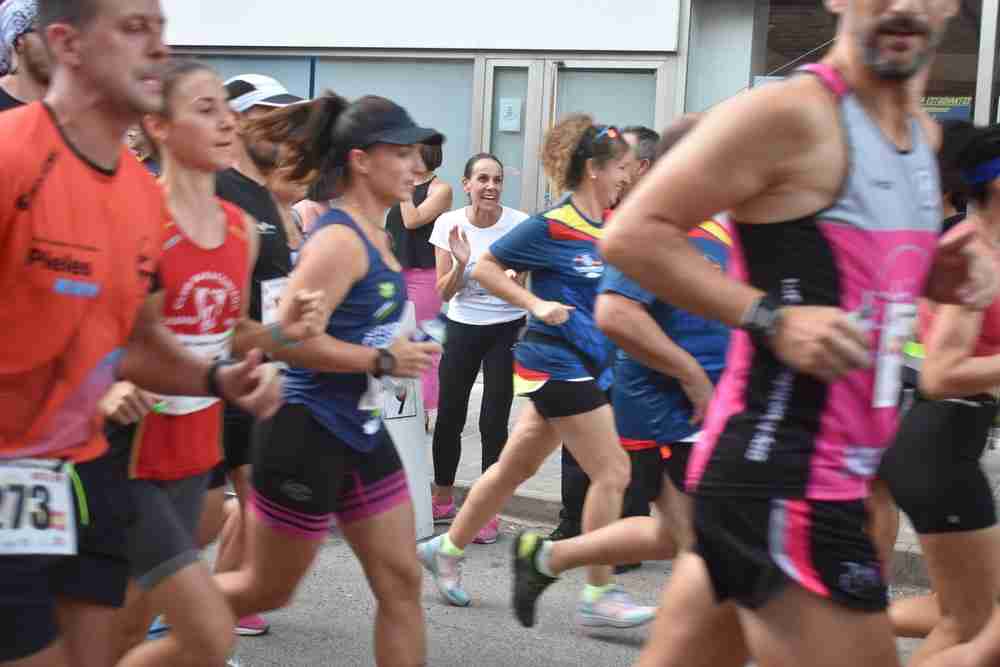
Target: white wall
553, 25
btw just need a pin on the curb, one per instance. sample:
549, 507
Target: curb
908, 568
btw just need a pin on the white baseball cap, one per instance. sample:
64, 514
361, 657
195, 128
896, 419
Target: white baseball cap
256, 90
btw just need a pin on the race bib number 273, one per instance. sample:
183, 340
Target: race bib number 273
36, 509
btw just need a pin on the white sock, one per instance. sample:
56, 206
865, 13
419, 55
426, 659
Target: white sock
543, 557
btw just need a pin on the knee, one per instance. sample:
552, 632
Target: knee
615, 474
396, 583
212, 643
515, 470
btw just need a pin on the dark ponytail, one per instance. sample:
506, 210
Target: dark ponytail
305, 131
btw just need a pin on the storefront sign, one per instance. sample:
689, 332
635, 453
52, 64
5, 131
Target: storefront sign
949, 108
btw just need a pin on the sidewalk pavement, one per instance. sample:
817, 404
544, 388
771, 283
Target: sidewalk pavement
538, 500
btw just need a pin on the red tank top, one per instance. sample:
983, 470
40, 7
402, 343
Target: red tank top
203, 293
988, 342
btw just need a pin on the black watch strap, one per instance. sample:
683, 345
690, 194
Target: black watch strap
762, 318
385, 363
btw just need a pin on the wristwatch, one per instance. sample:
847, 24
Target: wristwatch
762, 319
385, 363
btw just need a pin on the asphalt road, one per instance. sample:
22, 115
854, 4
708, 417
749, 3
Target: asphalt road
330, 622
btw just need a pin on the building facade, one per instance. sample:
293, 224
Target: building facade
493, 77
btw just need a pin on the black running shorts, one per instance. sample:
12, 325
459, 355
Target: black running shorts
304, 477
754, 547
933, 470
98, 574
562, 398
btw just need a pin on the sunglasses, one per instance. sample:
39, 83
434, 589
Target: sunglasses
609, 131
603, 132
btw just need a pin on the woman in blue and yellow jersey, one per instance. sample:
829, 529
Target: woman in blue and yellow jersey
562, 364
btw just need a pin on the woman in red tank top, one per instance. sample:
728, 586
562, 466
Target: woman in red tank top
209, 248
933, 469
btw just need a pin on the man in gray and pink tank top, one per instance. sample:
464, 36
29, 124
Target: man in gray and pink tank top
832, 182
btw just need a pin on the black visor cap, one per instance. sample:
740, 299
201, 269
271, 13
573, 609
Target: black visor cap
393, 125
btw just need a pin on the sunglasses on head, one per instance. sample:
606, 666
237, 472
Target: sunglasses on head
601, 132
609, 131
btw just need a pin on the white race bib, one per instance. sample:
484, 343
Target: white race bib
270, 295
897, 329
36, 508
205, 346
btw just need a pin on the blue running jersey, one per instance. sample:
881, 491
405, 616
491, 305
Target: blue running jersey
559, 247
651, 408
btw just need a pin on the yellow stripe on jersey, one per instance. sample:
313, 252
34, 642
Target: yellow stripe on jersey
718, 231
568, 215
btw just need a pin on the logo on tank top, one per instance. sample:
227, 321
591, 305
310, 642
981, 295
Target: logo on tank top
211, 305
387, 290
266, 228
929, 196
212, 296
901, 275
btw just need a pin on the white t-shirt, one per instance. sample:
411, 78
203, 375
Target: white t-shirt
473, 303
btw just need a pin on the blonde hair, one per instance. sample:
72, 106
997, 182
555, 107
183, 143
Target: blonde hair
559, 148
574, 140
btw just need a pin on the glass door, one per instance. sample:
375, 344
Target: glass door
512, 127
620, 93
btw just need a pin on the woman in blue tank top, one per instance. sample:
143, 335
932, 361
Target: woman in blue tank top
326, 454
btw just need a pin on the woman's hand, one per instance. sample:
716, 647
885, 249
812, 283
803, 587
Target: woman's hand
459, 244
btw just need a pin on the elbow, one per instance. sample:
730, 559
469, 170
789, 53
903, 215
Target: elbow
934, 384
612, 247
609, 318
479, 269
413, 223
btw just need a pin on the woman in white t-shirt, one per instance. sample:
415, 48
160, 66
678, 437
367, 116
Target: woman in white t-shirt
482, 331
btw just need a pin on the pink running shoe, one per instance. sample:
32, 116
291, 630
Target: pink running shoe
489, 533
252, 626
443, 512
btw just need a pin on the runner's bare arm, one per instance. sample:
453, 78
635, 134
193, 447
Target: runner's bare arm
321, 352
504, 283
438, 201
333, 261
492, 275
964, 270
156, 361
949, 369
741, 154
254, 335
449, 273
630, 326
